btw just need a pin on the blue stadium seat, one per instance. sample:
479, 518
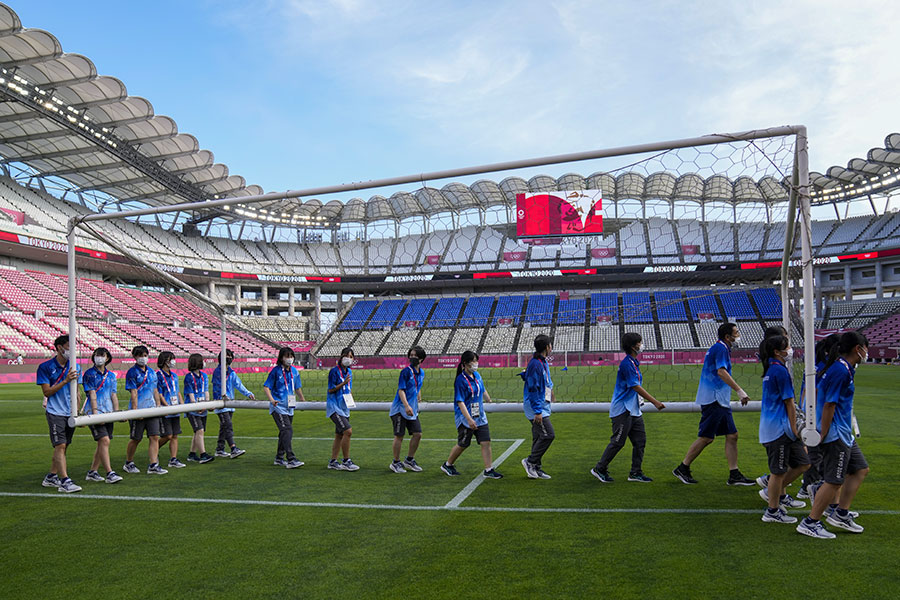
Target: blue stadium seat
670, 306
477, 312
702, 301
768, 302
386, 314
446, 312
572, 312
737, 305
605, 304
636, 306
540, 309
417, 310
358, 315
509, 307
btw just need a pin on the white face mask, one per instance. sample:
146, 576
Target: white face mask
790, 353
475, 366
100, 361
65, 354
172, 364
737, 338
640, 348
346, 361
863, 357
287, 361
142, 361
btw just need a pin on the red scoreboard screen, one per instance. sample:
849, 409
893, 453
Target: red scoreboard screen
559, 213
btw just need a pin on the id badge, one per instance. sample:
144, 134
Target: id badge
349, 401
475, 411
292, 401
548, 393
174, 400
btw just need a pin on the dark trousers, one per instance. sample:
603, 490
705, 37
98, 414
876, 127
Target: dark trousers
625, 427
542, 435
226, 431
285, 424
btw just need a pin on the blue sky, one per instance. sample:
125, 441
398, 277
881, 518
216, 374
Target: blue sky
293, 94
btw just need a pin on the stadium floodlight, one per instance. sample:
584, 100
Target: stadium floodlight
746, 154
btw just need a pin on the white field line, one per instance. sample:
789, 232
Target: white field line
467, 491
516, 509
247, 437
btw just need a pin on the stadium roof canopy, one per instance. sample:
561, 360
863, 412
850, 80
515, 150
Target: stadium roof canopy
62, 119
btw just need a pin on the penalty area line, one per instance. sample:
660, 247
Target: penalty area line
515, 509
467, 491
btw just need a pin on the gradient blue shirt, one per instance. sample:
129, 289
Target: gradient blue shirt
196, 385
167, 386
777, 389
144, 381
51, 372
232, 382
334, 403
624, 397
411, 382
713, 388
836, 387
537, 383
103, 385
282, 382
469, 391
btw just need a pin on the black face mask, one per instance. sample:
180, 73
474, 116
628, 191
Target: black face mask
228, 361
414, 361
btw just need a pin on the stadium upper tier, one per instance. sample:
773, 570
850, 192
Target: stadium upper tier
629, 242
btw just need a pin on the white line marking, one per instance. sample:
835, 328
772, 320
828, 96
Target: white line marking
467, 491
667, 511
247, 437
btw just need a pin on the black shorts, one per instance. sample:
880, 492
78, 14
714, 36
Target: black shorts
60, 432
839, 460
139, 426
341, 423
715, 420
169, 426
785, 453
197, 423
464, 435
101, 431
402, 425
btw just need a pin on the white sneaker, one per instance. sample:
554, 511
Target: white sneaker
410, 464
763, 481
831, 509
93, 476
790, 502
51, 481
397, 467
67, 486
174, 463
294, 463
113, 477
334, 465
130, 467
529, 469
349, 465
780, 516
815, 530
844, 522
155, 469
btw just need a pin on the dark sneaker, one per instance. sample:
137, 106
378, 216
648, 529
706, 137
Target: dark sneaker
192, 457
683, 474
601, 475
51, 480
492, 474
449, 470
235, 452
739, 479
205, 458
410, 464
638, 476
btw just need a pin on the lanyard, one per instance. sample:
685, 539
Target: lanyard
847, 366
636, 366
197, 389
342, 374
63, 374
416, 379
168, 387
472, 392
102, 381
287, 387
146, 375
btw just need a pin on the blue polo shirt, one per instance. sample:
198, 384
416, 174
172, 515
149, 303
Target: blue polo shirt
167, 386
836, 387
144, 381
232, 382
777, 388
469, 391
411, 382
282, 382
334, 403
197, 385
103, 385
712, 388
624, 397
537, 382
52, 372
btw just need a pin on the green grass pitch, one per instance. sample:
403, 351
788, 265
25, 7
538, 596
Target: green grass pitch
266, 532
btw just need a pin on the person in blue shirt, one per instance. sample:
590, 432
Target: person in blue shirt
55, 376
469, 396
714, 398
625, 413
140, 382
405, 411
778, 431
283, 389
538, 396
196, 389
232, 382
169, 391
99, 385
843, 465
339, 392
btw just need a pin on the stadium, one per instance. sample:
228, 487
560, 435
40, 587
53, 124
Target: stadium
107, 208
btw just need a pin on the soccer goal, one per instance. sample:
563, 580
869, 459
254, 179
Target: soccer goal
666, 239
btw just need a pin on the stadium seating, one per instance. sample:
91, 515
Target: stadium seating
446, 312
572, 311
636, 307
670, 306
476, 312
768, 302
417, 310
358, 315
568, 338
466, 339
539, 310
702, 301
509, 307
386, 314
433, 341
737, 305
605, 304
